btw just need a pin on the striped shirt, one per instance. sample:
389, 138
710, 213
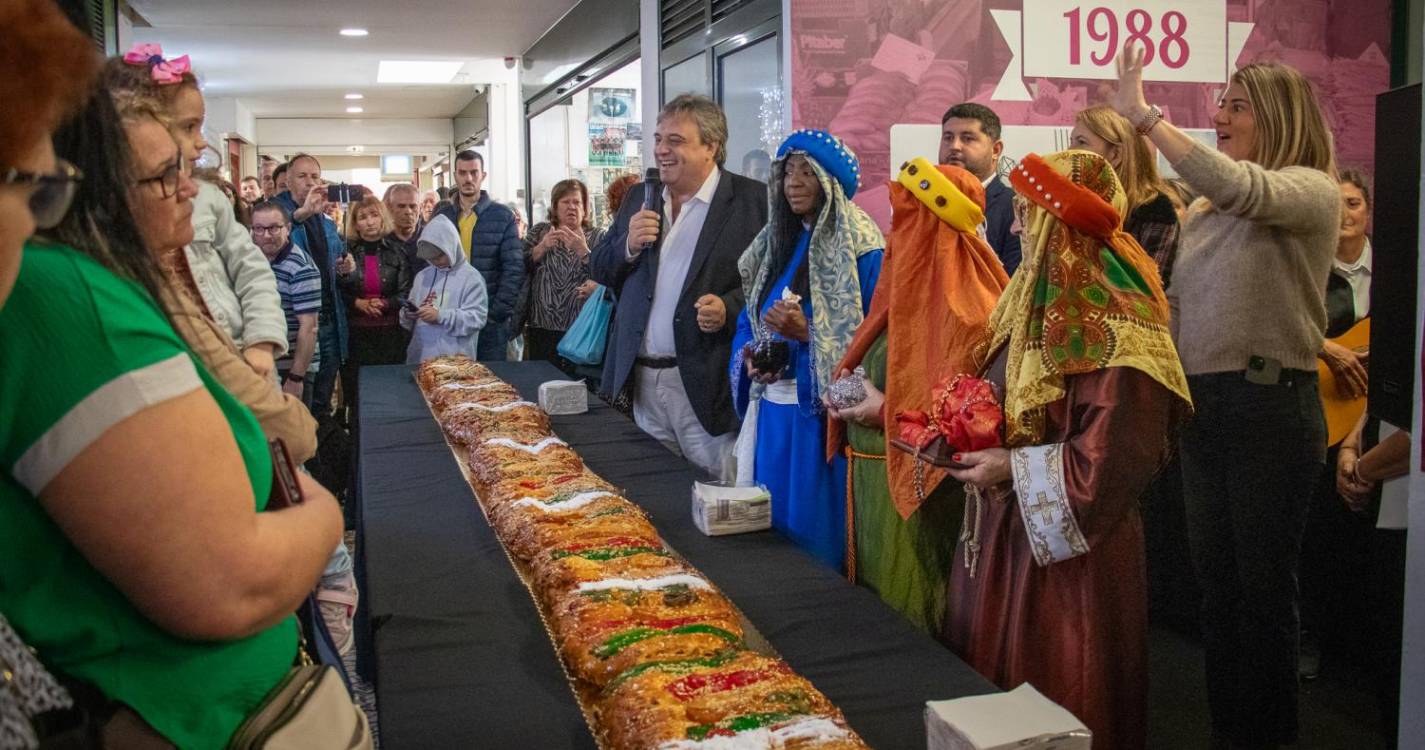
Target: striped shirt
299, 284
553, 304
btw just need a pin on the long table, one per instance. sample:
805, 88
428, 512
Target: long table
461, 658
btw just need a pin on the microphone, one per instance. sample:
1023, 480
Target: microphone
652, 196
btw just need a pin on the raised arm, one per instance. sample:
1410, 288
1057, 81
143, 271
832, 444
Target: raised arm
1293, 197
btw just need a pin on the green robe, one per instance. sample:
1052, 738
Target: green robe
906, 562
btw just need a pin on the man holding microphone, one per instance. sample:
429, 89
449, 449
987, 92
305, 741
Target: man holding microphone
671, 257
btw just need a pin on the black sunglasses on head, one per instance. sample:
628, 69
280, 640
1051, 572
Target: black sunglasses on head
52, 192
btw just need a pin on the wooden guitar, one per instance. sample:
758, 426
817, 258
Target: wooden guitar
1342, 413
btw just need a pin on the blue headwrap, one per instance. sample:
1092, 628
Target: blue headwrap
830, 152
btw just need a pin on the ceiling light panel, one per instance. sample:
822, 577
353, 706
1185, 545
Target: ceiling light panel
417, 71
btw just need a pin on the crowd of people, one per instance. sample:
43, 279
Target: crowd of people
1122, 340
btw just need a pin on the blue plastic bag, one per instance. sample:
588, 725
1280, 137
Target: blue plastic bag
583, 343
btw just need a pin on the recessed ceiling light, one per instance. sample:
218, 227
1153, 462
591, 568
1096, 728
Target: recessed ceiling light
417, 71
353, 32
354, 97
355, 110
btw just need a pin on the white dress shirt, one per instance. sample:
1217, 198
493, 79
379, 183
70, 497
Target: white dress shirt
675, 255
1358, 275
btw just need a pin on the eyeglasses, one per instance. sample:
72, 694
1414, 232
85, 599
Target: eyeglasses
274, 229
52, 192
167, 180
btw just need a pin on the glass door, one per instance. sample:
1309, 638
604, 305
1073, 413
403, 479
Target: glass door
749, 88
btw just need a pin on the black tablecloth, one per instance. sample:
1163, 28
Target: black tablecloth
461, 658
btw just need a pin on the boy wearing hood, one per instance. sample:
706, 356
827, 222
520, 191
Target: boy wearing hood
448, 304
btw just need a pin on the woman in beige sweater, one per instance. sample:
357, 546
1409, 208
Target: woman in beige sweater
1248, 317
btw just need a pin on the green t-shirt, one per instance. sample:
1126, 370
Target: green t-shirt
80, 350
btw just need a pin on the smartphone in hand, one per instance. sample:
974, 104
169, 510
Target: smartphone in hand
286, 491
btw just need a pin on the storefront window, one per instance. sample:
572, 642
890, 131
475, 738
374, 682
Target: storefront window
752, 98
687, 77
594, 137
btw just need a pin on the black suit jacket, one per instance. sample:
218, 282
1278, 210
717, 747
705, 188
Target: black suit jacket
999, 216
737, 213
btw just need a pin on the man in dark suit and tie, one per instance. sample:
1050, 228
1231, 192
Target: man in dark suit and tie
970, 139
674, 270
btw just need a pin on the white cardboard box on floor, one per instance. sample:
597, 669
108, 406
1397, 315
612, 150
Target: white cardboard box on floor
1021, 719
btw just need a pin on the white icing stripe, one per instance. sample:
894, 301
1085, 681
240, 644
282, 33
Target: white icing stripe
472, 406
647, 584
573, 503
806, 732
502, 407
1054, 534
108, 405
537, 447
468, 386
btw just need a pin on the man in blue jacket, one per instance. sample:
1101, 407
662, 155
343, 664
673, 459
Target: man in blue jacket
314, 232
970, 139
490, 238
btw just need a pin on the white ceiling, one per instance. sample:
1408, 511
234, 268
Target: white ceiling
285, 59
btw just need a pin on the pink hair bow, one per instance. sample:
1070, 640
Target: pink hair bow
164, 72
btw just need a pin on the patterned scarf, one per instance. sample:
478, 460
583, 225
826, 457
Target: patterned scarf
841, 235
1087, 297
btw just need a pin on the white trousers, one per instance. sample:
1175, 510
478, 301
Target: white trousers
661, 408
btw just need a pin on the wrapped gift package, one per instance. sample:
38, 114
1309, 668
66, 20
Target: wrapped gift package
723, 508
1021, 719
563, 397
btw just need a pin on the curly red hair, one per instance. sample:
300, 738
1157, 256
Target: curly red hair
47, 68
617, 190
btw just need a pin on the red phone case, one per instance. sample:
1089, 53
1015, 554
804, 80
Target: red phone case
286, 492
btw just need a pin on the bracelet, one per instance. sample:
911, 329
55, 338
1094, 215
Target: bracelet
294, 377
1152, 117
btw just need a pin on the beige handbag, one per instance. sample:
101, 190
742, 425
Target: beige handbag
310, 709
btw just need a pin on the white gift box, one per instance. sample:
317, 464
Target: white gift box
563, 397
1021, 719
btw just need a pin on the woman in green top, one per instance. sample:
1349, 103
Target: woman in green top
133, 551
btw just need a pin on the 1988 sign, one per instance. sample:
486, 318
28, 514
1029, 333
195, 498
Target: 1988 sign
1184, 40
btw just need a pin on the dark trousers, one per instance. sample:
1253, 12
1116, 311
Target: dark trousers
1388, 614
1251, 458
330, 347
543, 344
1337, 576
384, 345
494, 340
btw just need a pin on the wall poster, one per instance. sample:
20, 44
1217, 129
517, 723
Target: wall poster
862, 67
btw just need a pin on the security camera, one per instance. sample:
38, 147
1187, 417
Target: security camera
510, 63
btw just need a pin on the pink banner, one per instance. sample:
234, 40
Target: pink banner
860, 67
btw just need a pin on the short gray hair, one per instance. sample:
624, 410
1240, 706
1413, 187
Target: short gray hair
706, 115
401, 187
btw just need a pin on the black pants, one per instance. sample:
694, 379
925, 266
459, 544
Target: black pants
1337, 577
494, 338
542, 344
325, 384
1251, 458
385, 345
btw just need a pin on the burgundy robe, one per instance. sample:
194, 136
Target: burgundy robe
1068, 612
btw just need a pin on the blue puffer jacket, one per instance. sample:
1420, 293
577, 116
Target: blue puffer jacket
331, 284
497, 252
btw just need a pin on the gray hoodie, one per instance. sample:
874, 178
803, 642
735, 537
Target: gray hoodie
457, 291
